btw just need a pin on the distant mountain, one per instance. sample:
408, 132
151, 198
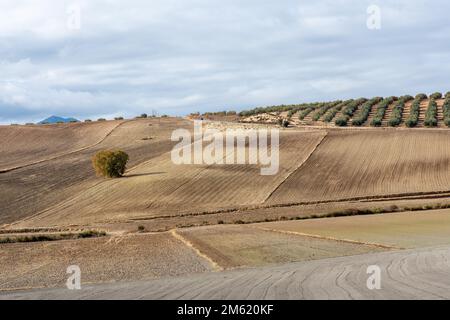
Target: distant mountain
56, 119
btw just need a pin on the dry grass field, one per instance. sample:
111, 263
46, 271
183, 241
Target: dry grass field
165, 220
32, 189
25, 145
240, 246
401, 230
371, 163
158, 188
124, 258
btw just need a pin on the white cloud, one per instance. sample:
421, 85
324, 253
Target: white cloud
180, 56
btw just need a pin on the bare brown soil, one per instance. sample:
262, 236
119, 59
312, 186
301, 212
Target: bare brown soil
370, 163
117, 258
53, 189
25, 145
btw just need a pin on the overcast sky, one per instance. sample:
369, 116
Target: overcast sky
182, 56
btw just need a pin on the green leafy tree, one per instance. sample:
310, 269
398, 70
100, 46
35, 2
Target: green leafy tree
110, 163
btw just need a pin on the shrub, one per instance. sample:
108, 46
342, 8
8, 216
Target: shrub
290, 113
397, 112
413, 118
446, 108
88, 120
101, 119
118, 118
365, 111
323, 109
144, 115
350, 109
431, 114
436, 95
281, 108
447, 95
341, 121
283, 122
381, 111
305, 112
329, 116
421, 96
110, 164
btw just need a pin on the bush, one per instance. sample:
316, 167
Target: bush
101, 119
118, 118
144, 115
323, 109
88, 120
341, 121
446, 108
350, 109
397, 112
110, 164
305, 112
381, 111
361, 118
431, 114
413, 118
283, 122
329, 116
436, 95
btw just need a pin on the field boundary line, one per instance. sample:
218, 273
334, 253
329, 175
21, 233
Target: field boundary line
63, 154
214, 264
296, 168
371, 244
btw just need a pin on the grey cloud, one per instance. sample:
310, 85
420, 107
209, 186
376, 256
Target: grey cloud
184, 56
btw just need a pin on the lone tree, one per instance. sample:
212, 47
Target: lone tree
110, 164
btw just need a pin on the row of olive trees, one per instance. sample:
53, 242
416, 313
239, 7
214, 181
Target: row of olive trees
431, 114
397, 112
278, 109
303, 114
367, 107
381, 111
329, 116
447, 109
322, 110
348, 111
413, 118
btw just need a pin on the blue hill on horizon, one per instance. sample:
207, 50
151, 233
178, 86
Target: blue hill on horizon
56, 119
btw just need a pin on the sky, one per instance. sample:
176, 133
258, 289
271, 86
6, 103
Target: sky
106, 58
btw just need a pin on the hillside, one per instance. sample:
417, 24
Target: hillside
325, 165
163, 219
405, 111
